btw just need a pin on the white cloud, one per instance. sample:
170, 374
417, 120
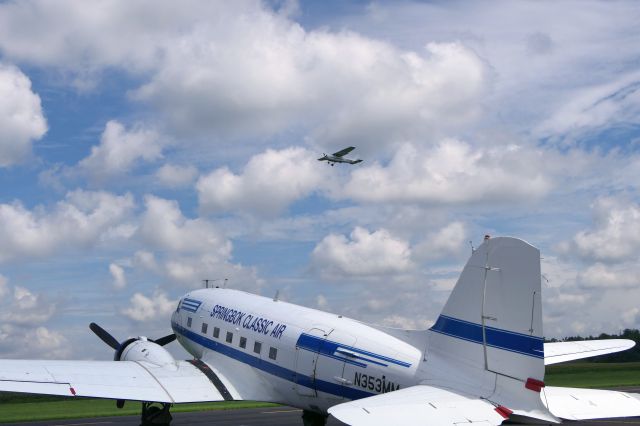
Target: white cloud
407, 323
143, 308
362, 254
82, 219
21, 118
17, 342
452, 172
445, 242
119, 150
269, 183
117, 273
200, 69
601, 106
616, 236
24, 307
175, 176
163, 227
3, 286
600, 275
22, 320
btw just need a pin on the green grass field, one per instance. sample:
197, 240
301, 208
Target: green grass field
18, 407
593, 375
15, 408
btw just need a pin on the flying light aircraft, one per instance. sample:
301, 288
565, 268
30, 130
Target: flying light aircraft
338, 157
481, 362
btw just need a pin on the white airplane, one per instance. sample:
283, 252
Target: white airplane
482, 362
338, 157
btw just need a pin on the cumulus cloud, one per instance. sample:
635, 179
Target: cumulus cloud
82, 219
117, 273
119, 150
146, 308
444, 242
452, 172
16, 342
22, 319
21, 117
186, 251
616, 233
603, 276
175, 176
269, 183
163, 227
200, 69
3, 286
364, 253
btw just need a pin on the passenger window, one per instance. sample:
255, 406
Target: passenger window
229, 337
204, 328
189, 322
257, 347
216, 332
243, 342
273, 353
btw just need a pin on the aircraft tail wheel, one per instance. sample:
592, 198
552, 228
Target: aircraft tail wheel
310, 418
153, 415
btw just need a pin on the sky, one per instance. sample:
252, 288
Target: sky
146, 146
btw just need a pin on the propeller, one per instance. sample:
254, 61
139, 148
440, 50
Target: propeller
165, 340
111, 341
104, 336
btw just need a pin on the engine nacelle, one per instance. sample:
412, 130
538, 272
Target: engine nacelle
142, 349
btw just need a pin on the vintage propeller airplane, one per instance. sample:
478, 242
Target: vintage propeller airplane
482, 362
338, 157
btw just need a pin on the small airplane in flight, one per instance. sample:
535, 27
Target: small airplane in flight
481, 363
338, 157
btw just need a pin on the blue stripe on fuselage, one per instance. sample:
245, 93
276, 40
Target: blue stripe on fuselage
329, 348
271, 368
496, 338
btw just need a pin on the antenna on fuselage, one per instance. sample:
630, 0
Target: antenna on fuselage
224, 284
277, 295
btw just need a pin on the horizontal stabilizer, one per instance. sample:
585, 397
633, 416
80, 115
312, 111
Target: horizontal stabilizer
555, 353
583, 404
420, 405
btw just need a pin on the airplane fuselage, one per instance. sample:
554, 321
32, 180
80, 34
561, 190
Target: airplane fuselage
333, 159
291, 354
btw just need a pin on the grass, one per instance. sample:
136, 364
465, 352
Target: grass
593, 375
21, 407
16, 407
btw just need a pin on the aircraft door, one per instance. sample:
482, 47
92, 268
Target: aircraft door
307, 352
331, 365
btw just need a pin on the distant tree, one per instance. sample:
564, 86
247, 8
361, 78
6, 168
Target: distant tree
630, 355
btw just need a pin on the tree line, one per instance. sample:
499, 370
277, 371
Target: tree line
630, 355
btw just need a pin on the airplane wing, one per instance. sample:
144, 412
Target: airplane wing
555, 353
186, 381
344, 151
420, 405
583, 404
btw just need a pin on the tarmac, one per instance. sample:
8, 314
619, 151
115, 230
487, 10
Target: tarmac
276, 416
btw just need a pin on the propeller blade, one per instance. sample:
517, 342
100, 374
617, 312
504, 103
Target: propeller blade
104, 335
165, 340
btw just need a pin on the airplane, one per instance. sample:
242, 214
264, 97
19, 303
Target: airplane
481, 363
338, 157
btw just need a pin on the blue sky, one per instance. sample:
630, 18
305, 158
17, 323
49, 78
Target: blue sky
147, 146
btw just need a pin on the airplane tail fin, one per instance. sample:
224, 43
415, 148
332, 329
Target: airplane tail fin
491, 326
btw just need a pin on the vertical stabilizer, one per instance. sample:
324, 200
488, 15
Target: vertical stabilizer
492, 324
